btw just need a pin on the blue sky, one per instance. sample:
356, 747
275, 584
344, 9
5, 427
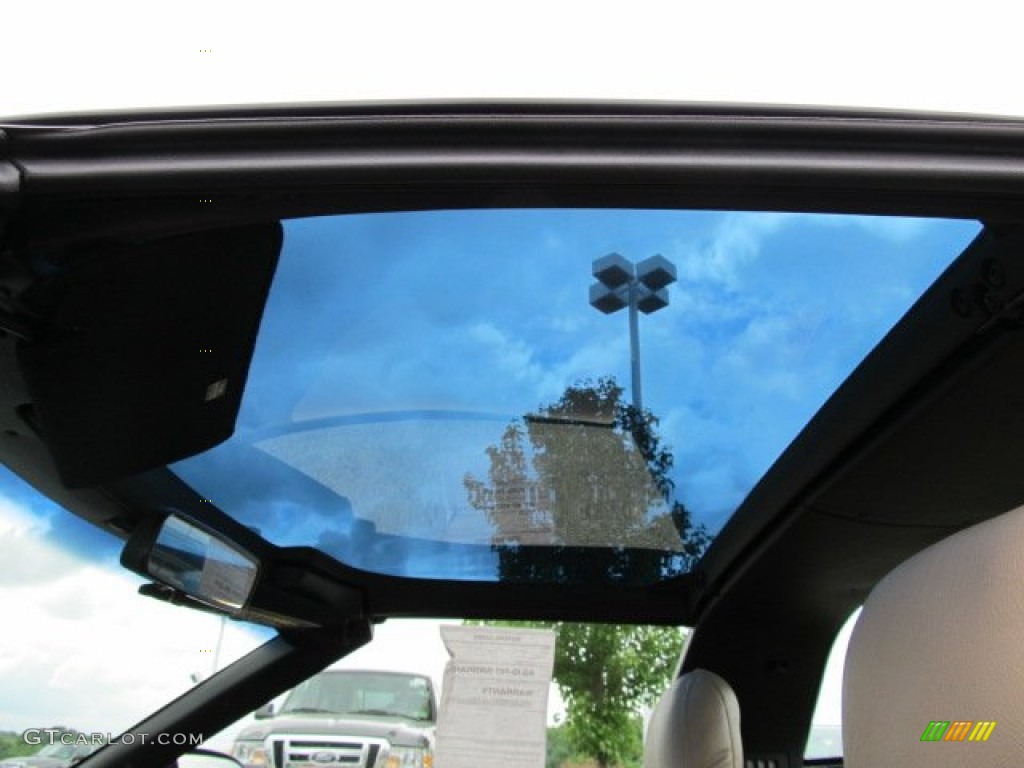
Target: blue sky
381, 326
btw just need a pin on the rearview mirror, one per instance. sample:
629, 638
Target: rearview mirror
265, 712
196, 561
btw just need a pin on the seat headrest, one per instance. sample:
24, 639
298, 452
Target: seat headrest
696, 724
937, 655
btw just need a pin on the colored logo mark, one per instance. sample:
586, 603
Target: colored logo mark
958, 730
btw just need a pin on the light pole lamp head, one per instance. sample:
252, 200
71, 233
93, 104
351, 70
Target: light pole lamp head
607, 299
613, 270
651, 301
656, 272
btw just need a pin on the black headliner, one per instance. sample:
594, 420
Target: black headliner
923, 439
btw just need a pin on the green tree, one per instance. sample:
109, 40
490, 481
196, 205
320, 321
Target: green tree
581, 491
606, 674
559, 749
13, 745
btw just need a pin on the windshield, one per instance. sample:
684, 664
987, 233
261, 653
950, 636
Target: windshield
549, 395
358, 693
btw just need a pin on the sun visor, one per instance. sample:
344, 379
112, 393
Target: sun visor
143, 354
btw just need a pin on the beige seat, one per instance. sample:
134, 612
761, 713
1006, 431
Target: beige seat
941, 641
696, 724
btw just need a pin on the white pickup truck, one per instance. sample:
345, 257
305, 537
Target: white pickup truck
349, 718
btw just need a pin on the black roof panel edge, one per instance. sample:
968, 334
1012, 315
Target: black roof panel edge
454, 107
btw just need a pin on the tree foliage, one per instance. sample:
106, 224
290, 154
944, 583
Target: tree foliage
559, 749
590, 472
587, 471
14, 744
606, 674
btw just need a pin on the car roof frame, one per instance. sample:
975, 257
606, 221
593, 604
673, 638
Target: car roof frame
75, 181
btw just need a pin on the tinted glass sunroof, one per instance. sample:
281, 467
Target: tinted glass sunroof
456, 394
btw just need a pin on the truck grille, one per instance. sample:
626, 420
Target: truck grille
324, 752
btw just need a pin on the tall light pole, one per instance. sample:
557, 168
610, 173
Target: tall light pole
220, 642
641, 287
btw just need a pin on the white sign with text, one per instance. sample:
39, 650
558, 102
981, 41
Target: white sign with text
495, 701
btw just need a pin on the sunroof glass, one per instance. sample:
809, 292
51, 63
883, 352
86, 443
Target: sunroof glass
549, 395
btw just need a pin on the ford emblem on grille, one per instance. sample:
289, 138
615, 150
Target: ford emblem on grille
323, 757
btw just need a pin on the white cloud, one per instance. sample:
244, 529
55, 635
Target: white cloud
604, 354
82, 648
891, 229
22, 562
735, 241
503, 355
771, 356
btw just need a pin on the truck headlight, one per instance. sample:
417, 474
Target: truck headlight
409, 757
251, 754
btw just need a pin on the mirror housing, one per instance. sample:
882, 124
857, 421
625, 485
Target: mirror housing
193, 560
208, 562
265, 712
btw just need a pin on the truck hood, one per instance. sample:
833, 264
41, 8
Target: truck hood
397, 733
